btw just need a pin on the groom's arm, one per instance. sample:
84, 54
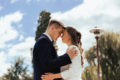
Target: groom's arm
48, 63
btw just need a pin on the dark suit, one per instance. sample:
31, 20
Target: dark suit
45, 58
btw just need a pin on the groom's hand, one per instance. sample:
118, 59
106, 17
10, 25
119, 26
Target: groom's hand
72, 52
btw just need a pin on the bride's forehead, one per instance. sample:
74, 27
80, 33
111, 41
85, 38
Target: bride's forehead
64, 32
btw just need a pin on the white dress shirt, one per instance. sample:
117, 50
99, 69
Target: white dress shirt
48, 36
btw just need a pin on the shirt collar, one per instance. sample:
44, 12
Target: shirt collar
48, 36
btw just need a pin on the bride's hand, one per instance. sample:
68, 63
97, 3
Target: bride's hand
48, 76
72, 52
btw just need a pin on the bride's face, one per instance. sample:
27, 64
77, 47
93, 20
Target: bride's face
65, 37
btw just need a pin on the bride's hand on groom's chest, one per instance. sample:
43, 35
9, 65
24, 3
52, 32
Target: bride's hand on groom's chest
72, 52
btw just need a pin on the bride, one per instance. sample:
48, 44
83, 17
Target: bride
72, 71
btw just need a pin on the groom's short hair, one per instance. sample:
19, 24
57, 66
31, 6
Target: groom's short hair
56, 23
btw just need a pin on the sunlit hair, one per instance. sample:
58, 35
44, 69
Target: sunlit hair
76, 39
56, 23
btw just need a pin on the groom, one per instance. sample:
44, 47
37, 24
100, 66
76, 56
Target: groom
45, 57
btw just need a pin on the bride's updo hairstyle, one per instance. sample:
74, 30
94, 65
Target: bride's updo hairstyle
76, 39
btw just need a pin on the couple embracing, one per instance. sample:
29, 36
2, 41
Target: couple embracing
47, 64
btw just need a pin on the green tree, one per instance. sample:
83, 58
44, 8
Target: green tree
17, 71
90, 73
42, 23
91, 56
109, 46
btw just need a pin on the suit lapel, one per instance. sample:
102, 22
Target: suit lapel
53, 50
46, 37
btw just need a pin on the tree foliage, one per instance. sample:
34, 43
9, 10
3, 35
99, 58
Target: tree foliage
42, 23
90, 73
109, 46
110, 56
91, 56
17, 71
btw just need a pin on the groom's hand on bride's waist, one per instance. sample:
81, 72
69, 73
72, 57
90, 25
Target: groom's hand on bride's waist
72, 52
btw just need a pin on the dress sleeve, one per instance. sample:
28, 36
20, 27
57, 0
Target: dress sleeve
74, 68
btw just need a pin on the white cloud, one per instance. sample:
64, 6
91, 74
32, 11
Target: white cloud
3, 63
61, 47
19, 50
23, 49
38, 0
1, 8
21, 37
20, 25
102, 13
28, 1
50, 0
7, 31
14, 1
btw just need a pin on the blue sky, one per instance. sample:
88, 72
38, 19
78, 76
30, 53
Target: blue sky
18, 22
32, 8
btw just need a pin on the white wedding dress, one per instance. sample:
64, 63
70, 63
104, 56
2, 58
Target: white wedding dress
72, 71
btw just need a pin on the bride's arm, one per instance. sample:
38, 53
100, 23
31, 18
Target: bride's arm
51, 76
70, 72
74, 68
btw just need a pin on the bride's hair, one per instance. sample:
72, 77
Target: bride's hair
76, 39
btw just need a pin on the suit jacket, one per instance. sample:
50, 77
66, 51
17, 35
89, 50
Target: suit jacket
45, 58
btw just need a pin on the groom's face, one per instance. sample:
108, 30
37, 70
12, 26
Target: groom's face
57, 33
